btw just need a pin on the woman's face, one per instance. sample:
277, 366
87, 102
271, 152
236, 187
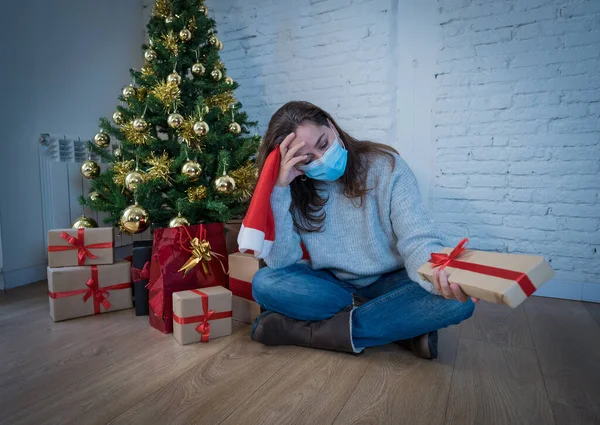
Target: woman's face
317, 139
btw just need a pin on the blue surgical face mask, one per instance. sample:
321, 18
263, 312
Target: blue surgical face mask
330, 166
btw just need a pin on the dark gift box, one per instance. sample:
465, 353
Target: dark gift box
142, 252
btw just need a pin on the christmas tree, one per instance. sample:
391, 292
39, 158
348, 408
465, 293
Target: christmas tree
184, 152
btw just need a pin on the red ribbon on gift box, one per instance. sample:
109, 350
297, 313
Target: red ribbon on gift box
241, 288
141, 274
204, 327
78, 243
100, 295
443, 260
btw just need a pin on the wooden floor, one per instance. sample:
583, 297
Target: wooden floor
538, 364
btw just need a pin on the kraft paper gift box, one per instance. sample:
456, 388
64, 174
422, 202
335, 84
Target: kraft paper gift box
88, 290
495, 277
80, 247
242, 268
201, 314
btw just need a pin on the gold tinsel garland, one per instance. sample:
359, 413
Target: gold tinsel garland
120, 170
167, 93
223, 101
196, 193
147, 70
192, 24
187, 134
134, 136
169, 40
160, 167
162, 8
141, 93
245, 180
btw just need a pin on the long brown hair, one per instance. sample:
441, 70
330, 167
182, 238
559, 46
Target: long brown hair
306, 199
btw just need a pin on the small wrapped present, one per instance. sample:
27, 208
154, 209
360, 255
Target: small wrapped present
140, 275
242, 268
199, 315
87, 290
184, 258
495, 277
80, 247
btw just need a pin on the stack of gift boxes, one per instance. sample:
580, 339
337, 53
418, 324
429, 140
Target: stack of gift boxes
83, 278
179, 279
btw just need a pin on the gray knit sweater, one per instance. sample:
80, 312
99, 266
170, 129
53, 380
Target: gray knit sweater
391, 230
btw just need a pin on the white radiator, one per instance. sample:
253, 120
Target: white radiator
62, 184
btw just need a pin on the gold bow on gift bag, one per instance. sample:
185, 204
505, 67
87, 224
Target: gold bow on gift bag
201, 252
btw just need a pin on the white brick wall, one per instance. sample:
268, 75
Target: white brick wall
517, 129
334, 53
511, 155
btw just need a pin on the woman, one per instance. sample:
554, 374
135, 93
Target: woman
355, 206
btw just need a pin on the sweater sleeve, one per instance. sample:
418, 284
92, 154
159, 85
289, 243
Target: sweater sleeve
286, 249
417, 234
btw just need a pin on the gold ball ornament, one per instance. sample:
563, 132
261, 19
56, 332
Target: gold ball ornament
201, 128
129, 91
216, 74
185, 34
198, 69
175, 120
150, 55
220, 45
225, 184
174, 78
133, 179
213, 40
94, 196
235, 128
178, 221
203, 9
134, 219
140, 124
102, 139
118, 153
192, 169
118, 118
229, 81
90, 169
84, 222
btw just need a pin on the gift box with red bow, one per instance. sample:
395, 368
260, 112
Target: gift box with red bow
87, 290
201, 315
242, 268
80, 247
491, 276
184, 258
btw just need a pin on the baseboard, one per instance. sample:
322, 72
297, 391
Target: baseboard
24, 276
591, 292
578, 291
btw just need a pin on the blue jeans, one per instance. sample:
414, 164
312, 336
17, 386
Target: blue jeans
398, 308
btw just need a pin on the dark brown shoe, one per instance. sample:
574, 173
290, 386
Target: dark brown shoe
272, 328
424, 346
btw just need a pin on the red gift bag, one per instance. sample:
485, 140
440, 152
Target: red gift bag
183, 258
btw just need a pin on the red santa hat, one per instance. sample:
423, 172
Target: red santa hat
258, 227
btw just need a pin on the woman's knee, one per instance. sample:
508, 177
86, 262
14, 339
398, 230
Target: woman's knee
268, 282
263, 283
461, 311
